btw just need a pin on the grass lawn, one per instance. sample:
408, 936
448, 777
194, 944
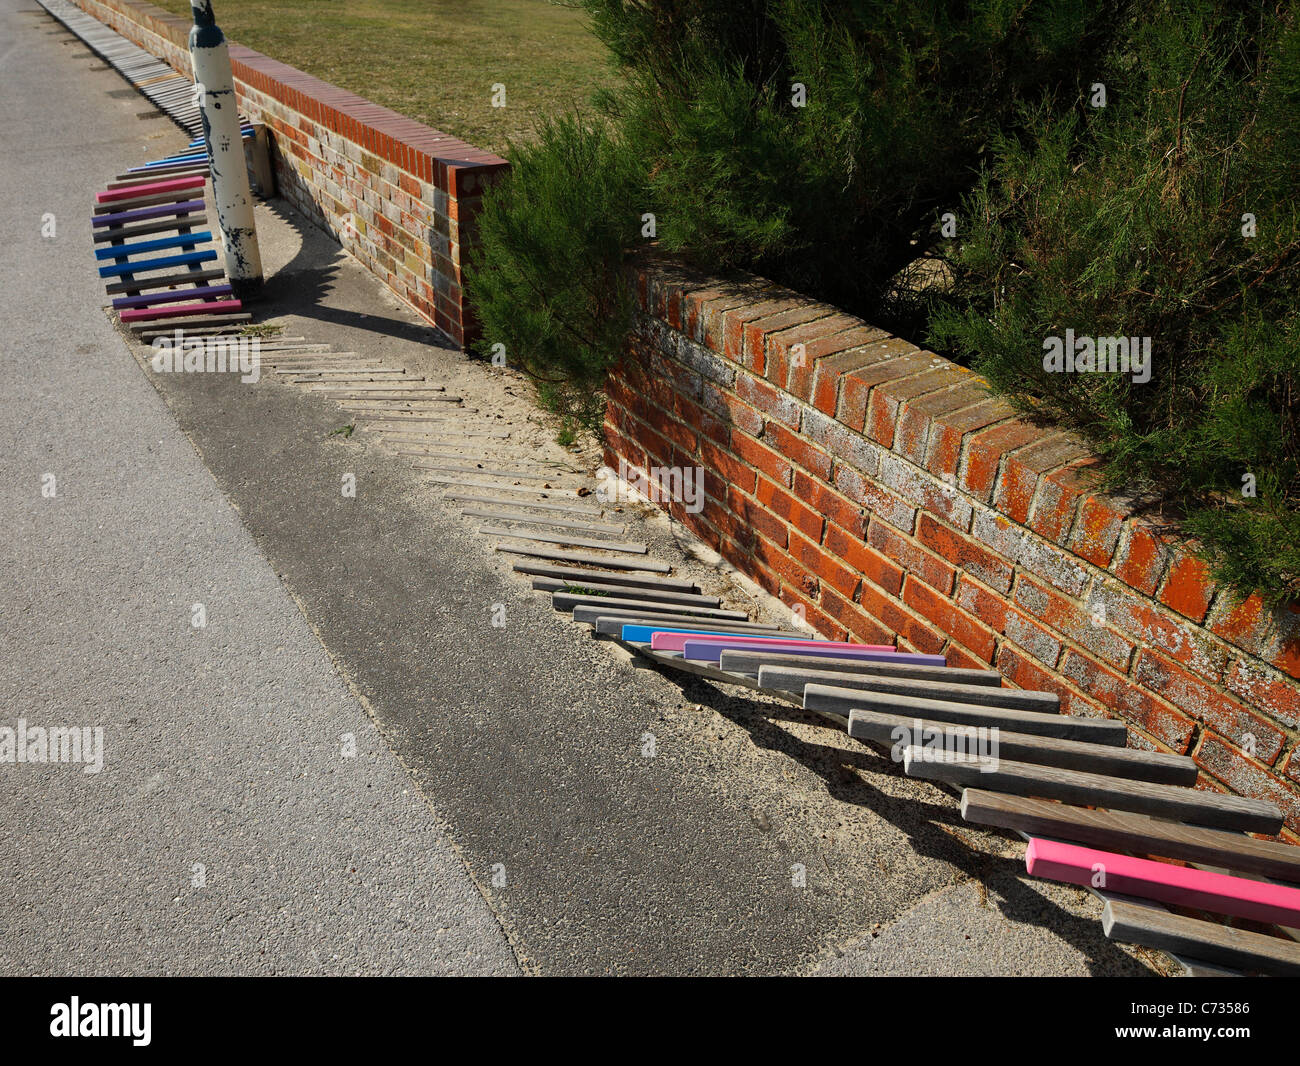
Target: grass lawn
433, 60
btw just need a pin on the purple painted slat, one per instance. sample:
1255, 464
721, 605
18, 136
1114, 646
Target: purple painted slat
711, 651
171, 296
146, 212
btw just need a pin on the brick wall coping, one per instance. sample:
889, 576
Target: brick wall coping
420, 150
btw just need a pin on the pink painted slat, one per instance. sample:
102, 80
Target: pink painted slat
1161, 881
212, 307
130, 191
677, 642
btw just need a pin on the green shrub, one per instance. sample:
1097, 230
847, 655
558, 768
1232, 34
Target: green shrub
1118, 221
547, 279
835, 196
1134, 220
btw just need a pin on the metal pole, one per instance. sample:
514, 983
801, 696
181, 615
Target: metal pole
215, 87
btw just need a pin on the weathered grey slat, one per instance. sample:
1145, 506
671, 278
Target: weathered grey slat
794, 678
311, 373
621, 563
292, 375
303, 354
567, 601
488, 471
460, 481
1133, 923
232, 330
610, 622
1137, 833
1219, 811
163, 281
675, 661
356, 384
626, 592
749, 662
566, 573
200, 321
542, 537
543, 520
140, 229
843, 700
439, 435
378, 405
125, 181
879, 728
573, 507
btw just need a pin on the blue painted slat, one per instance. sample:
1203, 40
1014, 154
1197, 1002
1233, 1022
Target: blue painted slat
645, 632
182, 240
142, 265
192, 157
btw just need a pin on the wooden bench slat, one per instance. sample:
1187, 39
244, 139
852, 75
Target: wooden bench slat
671, 642
610, 622
109, 196
881, 727
199, 322
122, 233
172, 296
1151, 927
144, 314
621, 563
1123, 831
1178, 886
627, 592
713, 652
164, 281
744, 661
157, 244
1219, 811
841, 701
167, 210
567, 601
794, 678
144, 266
674, 584
542, 537
645, 632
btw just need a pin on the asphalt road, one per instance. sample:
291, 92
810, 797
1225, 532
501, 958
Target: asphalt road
226, 832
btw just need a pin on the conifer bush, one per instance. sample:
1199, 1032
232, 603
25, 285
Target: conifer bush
1170, 216
820, 143
547, 278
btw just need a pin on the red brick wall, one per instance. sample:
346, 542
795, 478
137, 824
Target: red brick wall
398, 195
882, 489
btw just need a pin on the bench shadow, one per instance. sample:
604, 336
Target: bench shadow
928, 825
304, 285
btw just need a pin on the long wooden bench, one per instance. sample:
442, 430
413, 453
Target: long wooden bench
1033, 756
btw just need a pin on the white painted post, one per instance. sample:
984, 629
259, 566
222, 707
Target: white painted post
215, 87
